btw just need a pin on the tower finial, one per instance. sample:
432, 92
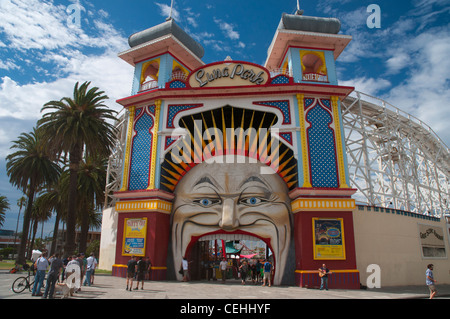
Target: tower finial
298, 12
171, 9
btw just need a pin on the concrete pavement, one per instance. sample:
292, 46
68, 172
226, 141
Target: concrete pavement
109, 287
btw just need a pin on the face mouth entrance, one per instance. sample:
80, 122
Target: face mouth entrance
210, 248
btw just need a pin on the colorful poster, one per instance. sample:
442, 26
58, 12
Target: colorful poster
134, 238
328, 238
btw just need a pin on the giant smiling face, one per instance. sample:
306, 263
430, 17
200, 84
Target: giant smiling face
219, 199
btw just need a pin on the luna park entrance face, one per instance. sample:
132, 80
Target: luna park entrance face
205, 256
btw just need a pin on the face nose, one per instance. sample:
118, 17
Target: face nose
229, 220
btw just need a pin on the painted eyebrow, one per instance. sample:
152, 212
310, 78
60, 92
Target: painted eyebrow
206, 179
254, 179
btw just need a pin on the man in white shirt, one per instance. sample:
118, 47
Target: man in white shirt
223, 269
90, 266
41, 267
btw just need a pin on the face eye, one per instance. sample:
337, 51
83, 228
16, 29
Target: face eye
206, 202
252, 201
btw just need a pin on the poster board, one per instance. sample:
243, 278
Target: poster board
328, 238
134, 236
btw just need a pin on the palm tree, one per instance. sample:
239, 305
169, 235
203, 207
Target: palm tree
20, 202
53, 199
4, 205
39, 214
91, 188
29, 168
75, 125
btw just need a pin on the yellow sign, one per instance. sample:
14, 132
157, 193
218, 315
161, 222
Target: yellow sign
328, 238
134, 236
228, 74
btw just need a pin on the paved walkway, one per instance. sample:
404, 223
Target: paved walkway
109, 287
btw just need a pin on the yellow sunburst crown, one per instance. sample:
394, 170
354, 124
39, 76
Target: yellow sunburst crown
228, 131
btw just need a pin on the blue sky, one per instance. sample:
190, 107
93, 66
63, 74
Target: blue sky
42, 53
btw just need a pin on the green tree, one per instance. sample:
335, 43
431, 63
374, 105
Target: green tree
39, 214
4, 205
54, 199
91, 190
29, 168
74, 125
22, 201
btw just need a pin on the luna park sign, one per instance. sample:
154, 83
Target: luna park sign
228, 74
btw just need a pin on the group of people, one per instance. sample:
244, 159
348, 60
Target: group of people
138, 270
259, 272
57, 272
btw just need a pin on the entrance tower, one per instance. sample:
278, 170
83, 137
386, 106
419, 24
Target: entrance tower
232, 150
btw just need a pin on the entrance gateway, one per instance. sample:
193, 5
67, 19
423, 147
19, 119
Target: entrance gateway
233, 151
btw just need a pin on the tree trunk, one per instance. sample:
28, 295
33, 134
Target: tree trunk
55, 234
25, 228
84, 231
74, 159
33, 237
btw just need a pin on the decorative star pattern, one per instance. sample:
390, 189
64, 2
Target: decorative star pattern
321, 148
173, 110
141, 151
177, 84
283, 106
280, 79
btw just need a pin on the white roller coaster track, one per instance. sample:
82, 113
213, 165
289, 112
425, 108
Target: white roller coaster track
394, 159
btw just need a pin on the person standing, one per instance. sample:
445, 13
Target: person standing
131, 271
53, 275
65, 262
149, 268
141, 269
323, 273
93, 270
41, 267
258, 271
267, 272
185, 266
223, 269
90, 266
243, 270
430, 281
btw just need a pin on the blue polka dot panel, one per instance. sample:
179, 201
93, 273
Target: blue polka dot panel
322, 151
280, 79
173, 110
177, 84
283, 106
141, 150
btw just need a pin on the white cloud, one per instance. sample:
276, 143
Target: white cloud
228, 29
41, 42
34, 24
8, 65
369, 86
165, 11
396, 63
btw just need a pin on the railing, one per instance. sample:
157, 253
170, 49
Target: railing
178, 76
152, 84
275, 72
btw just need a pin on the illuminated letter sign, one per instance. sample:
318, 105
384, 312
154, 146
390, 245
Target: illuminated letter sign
228, 74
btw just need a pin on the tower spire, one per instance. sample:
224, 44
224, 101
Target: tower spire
170, 13
298, 12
